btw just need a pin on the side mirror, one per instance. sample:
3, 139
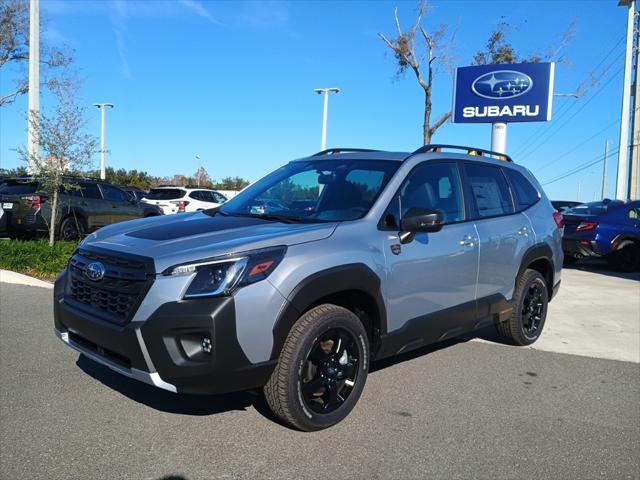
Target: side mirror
419, 220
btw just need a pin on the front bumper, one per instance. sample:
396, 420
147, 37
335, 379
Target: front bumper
169, 348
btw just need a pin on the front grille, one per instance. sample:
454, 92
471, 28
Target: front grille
118, 294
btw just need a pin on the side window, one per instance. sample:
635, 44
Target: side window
219, 198
90, 190
207, 196
197, 195
489, 189
435, 186
524, 193
114, 194
634, 213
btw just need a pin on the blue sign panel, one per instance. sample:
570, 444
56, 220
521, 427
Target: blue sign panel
520, 92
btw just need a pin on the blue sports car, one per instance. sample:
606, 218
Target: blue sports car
609, 229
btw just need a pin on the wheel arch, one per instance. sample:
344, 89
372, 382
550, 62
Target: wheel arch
539, 258
355, 287
73, 213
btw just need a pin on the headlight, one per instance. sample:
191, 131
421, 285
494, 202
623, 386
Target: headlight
220, 276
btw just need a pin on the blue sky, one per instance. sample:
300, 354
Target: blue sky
233, 82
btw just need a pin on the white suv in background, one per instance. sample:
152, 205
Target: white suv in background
175, 199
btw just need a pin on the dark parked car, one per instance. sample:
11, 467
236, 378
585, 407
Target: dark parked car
564, 205
88, 206
609, 229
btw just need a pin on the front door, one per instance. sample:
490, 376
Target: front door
122, 208
431, 281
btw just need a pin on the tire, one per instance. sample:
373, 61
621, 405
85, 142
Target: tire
531, 300
71, 229
308, 382
626, 259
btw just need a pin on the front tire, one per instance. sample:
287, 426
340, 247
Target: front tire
322, 369
531, 300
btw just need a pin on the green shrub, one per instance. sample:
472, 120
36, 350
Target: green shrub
35, 258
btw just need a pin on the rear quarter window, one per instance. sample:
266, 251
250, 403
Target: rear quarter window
524, 193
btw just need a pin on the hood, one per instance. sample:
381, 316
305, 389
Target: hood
187, 237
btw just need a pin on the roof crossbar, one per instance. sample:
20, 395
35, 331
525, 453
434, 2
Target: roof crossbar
473, 151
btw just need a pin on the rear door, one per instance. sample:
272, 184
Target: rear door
122, 208
504, 234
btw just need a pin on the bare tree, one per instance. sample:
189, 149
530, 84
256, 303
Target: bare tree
202, 177
420, 55
14, 49
499, 49
64, 147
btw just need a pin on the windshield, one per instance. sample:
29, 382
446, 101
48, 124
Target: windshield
595, 208
315, 191
164, 194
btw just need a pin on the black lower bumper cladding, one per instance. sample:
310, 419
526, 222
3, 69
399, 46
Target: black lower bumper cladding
173, 343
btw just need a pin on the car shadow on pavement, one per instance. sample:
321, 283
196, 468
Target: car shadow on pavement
601, 267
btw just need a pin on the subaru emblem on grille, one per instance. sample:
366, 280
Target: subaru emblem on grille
95, 271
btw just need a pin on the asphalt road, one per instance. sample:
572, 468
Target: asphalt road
460, 410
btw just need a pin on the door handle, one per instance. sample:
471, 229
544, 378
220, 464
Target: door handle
467, 241
524, 231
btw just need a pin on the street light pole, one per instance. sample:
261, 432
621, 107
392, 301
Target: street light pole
103, 140
325, 92
33, 120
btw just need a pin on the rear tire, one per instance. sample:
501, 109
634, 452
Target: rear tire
322, 369
71, 229
531, 299
626, 259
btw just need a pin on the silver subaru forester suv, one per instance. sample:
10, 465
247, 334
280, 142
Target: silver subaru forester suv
321, 267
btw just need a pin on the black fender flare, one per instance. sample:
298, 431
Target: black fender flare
540, 251
355, 276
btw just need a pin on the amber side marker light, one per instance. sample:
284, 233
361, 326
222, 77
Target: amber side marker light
260, 268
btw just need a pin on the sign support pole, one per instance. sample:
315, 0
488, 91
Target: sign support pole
622, 181
499, 137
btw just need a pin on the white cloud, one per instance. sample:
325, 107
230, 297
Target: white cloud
199, 10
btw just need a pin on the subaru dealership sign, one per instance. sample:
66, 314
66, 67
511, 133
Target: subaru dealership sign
519, 92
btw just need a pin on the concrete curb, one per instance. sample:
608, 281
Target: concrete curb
7, 276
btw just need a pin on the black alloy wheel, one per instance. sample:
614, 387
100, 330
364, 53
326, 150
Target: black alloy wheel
330, 371
532, 309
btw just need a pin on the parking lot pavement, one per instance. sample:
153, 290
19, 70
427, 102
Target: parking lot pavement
458, 410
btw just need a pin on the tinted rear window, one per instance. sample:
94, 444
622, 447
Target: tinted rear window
16, 187
525, 194
165, 194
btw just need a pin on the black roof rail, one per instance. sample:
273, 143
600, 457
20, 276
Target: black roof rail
473, 151
333, 151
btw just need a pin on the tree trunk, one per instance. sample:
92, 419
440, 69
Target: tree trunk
426, 129
52, 225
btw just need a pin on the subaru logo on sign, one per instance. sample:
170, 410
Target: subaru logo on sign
502, 84
95, 271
